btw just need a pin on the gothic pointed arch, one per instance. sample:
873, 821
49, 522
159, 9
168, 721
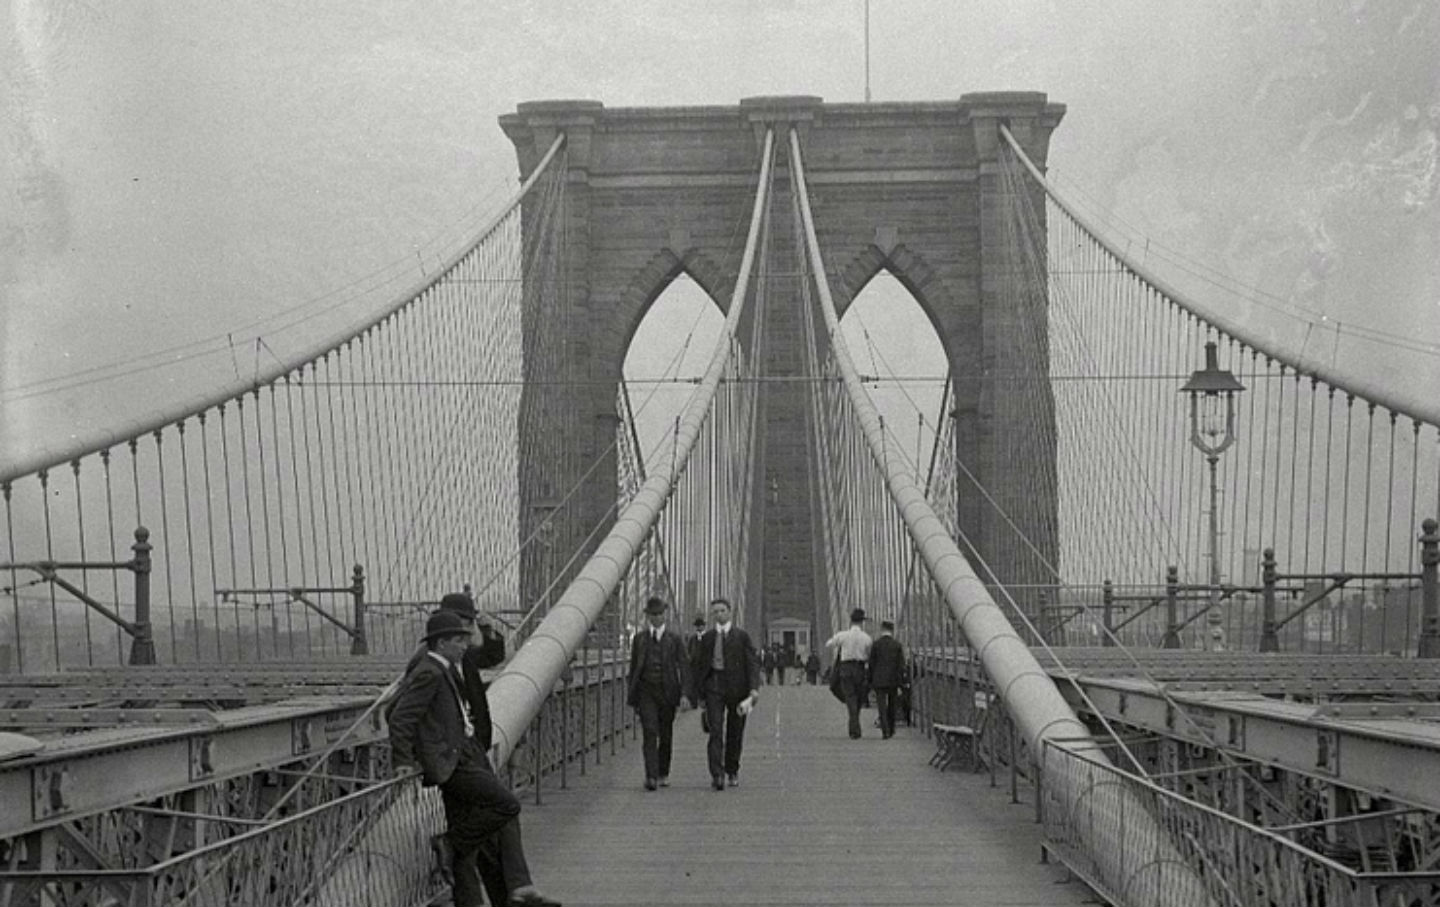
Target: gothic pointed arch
913, 272
652, 278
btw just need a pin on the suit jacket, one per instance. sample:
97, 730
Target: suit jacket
674, 665
427, 728
742, 665
887, 663
489, 653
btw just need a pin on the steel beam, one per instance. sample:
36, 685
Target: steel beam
1396, 757
91, 772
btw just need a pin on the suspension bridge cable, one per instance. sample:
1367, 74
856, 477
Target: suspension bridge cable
1419, 409
531, 673
1028, 692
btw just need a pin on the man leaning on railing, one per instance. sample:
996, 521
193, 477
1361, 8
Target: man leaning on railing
433, 731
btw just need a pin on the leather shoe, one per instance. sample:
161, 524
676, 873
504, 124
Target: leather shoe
733, 781
529, 897
664, 780
718, 782
651, 784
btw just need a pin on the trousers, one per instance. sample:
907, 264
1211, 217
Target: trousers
727, 728
482, 821
657, 729
886, 700
852, 682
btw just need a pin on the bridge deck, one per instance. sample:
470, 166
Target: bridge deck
817, 819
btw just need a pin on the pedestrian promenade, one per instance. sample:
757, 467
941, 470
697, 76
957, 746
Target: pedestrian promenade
817, 819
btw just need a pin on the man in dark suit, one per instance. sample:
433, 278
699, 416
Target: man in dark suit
692, 640
431, 730
726, 673
886, 675
477, 658
659, 676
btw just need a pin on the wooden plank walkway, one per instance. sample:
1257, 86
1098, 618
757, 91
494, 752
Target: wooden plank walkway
817, 819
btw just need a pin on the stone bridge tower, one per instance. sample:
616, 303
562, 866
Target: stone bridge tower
909, 188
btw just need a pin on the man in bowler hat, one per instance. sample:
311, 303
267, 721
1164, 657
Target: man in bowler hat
659, 676
852, 652
692, 640
726, 672
488, 653
432, 731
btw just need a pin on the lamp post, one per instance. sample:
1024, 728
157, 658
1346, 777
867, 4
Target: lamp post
1212, 393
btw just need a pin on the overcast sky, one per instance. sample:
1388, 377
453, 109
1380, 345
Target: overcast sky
171, 172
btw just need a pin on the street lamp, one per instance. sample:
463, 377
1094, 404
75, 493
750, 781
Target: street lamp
1212, 393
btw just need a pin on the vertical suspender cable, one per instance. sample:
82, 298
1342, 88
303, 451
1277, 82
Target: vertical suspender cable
528, 678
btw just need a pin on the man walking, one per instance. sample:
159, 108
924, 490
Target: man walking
692, 640
887, 675
812, 668
659, 675
431, 730
726, 673
852, 651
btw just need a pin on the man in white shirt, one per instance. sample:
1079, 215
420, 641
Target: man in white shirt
725, 672
852, 652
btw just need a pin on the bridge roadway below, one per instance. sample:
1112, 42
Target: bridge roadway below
817, 819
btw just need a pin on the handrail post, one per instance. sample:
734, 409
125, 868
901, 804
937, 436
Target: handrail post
1049, 621
1107, 599
1269, 640
142, 646
1172, 590
359, 644
1429, 590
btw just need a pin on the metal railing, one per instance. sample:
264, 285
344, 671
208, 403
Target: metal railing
1241, 863
363, 841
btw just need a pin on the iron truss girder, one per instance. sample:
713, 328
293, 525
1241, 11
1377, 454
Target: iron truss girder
90, 772
1397, 758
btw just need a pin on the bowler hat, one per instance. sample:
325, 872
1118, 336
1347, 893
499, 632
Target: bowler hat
459, 603
445, 623
655, 605
857, 615
699, 620
887, 624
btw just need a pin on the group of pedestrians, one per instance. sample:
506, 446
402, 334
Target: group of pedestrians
440, 722
863, 664
776, 658
717, 668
